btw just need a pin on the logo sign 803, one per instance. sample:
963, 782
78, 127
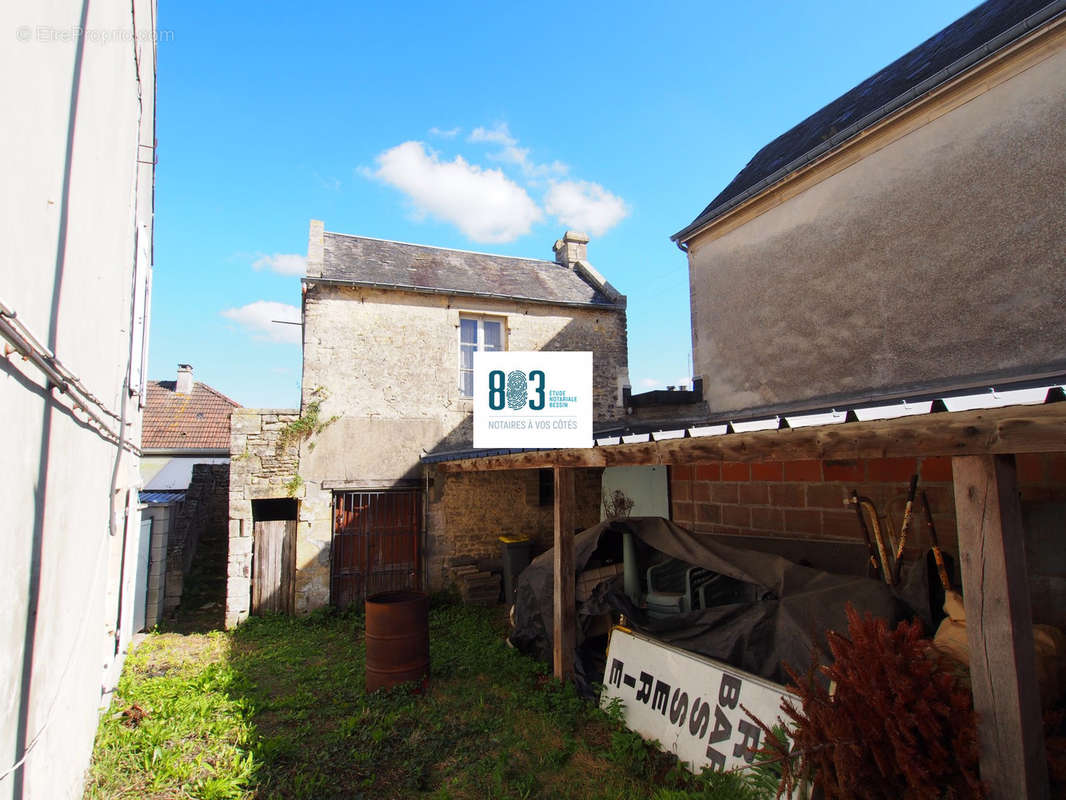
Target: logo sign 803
532, 399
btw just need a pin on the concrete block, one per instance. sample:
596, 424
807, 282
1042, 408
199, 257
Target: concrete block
239, 545
238, 592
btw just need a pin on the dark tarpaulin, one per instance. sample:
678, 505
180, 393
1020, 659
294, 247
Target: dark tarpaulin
796, 605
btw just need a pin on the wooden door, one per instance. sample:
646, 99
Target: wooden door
274, 567
375, 544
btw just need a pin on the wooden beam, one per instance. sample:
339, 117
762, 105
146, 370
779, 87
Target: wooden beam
564, 638
1014, 429
999, 627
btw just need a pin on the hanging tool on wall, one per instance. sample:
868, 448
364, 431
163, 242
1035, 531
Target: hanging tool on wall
938, 556
904, 527
866, 504
871, 552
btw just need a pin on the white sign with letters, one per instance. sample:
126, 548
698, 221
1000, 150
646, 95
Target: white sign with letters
689, 703
532, 399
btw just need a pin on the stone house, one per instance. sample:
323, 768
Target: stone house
389, 330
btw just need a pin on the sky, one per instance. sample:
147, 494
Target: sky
487, 127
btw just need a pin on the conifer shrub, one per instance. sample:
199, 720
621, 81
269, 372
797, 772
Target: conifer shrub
899, 724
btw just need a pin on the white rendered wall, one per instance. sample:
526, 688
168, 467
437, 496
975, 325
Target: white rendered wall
77, 231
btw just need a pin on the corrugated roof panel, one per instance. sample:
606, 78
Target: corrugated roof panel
161, 498
893, 410
659, 436
756, 425
828, 418
994, 399
708, 430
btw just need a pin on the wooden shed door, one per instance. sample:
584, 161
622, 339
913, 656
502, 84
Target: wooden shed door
375, 544
274, 566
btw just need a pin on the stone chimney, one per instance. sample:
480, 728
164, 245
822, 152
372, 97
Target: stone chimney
573, 247
572, 252
315, 248
184, 382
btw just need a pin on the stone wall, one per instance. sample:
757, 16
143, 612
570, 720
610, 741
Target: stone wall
468, 512
262, 466
395, 355
204, 507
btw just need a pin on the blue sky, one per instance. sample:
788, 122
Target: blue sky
485, 127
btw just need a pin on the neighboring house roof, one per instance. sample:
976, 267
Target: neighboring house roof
968, 40
195, 421
397, 265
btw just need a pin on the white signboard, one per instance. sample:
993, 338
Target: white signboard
532, 399
690, 703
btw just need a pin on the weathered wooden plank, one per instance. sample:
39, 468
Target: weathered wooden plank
999, 627
1014, 429
564, 636
288, 569
274, 566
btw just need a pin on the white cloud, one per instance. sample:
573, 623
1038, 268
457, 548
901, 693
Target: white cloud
511, 153
499, 134
450, 133
585, 206
484, 204
258, 319
282, 263
650, 383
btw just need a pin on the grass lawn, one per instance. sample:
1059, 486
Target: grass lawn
276, 709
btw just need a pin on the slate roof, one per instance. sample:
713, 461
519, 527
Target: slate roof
195, 421
364, 261
966, 41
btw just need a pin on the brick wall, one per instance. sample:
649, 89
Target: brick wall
806, 498
470, 511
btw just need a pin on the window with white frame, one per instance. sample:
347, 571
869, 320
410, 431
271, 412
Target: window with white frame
476, 333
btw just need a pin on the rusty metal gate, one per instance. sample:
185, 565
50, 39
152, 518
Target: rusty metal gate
375, 544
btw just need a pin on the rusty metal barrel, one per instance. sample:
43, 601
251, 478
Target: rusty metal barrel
397, 639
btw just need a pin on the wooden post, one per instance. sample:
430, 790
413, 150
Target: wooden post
999, 627
565, 637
